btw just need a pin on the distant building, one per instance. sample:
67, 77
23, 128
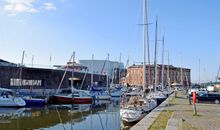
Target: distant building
76, 67
102, 66
134, 75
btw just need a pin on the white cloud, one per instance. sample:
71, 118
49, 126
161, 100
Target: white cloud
49, 6
33, 10
19, 6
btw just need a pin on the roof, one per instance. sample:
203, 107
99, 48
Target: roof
158, 65
6, 63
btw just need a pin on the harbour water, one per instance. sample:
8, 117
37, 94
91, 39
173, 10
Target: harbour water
101, 115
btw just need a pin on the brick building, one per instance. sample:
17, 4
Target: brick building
135, 75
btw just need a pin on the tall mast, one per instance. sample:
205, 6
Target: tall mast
92, 70
21, 66
145, 41
32, 61
72, 79
181, 71
107, 74
148, 46
119, 72
50, 60
168, 71
162, 73
199, 71
144, 60
217, 75
155, 59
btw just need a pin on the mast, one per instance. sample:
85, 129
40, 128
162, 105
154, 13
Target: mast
119, 72
145, 41
21, 66
107, 74
32, 61
217, 75
72, 79
199, 71
148, 46
168, 71
162, 73
155, 59
50, 60
92, 70
144, 44
181, 71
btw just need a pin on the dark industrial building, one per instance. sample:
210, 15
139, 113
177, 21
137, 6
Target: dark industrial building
19, 77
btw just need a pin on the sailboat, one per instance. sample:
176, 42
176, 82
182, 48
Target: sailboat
30, 100
72, 95
137, 107
116, 90
97, 92
158, 95
7, 99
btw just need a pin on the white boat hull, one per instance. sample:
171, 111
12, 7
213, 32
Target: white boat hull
102, 97
131, 116
12, 102
134, 114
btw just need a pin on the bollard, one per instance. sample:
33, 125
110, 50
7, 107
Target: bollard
194, 103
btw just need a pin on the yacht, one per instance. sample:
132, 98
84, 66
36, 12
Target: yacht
7, 99
136, 108
73, 96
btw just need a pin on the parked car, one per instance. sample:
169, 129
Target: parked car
198, 92
212, 88
209, 97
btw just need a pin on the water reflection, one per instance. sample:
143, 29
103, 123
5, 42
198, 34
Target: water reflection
98, 116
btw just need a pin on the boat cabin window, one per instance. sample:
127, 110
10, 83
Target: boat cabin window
84, 94
6, 94
65, 91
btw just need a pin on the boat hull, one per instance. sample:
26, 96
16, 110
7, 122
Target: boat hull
12, 102
35, 102
70, 100
131, 116
101, 97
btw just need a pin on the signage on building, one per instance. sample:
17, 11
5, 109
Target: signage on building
25, 82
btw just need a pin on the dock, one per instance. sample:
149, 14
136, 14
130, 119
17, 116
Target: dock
181, 115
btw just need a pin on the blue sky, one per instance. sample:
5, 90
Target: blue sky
58, 27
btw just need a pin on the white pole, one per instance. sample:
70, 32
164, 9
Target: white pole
199, 71
92, 70
181, 72
168, 71
119, 72
21, 66
107, 74
162, 74
72, 79
144, 42
155, 59
32, 61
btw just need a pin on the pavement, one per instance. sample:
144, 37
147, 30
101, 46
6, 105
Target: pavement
208, 115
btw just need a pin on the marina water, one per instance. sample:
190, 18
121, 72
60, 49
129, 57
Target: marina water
101, 115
